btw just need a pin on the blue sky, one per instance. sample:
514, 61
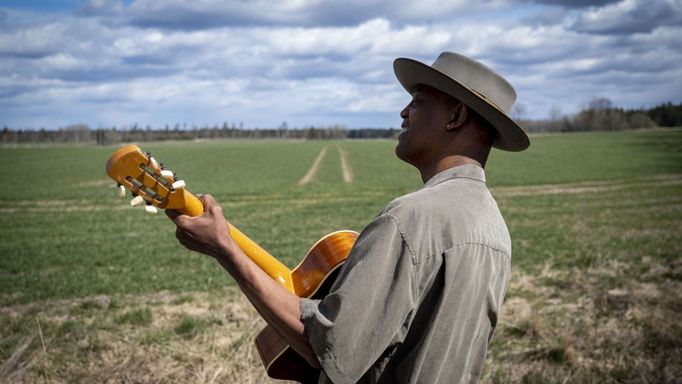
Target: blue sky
317, 62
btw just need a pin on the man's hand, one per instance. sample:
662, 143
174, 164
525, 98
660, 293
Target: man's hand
208, 234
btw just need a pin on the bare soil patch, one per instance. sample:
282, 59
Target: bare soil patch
346, 169
160, 338
585, 187
310, 175
566, 326
97, 184
57, 205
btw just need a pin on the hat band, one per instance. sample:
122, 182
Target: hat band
482, 96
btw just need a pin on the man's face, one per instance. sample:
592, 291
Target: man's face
423, 129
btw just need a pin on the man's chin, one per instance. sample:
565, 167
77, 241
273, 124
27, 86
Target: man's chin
400, 151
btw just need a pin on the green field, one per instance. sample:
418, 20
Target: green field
86, 281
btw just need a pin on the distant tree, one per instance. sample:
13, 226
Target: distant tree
557, 121
76, 133
598, 116
600, 104
519, 111
667, 115
640, 120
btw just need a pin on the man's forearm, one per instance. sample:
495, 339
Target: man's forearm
279, 307
209, 234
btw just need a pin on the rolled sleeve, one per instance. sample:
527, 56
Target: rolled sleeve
366, 311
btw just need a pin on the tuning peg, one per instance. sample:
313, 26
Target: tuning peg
151, 209
167, 173
178, 184
121, 191
154, 163
137, 200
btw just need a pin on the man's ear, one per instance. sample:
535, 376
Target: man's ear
459, 115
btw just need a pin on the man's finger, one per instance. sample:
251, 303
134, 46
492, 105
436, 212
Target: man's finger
178, 218
172, 214
181, 235
207, 201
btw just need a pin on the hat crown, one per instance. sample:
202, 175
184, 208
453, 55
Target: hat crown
472, 83
478, 78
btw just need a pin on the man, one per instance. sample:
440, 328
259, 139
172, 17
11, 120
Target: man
418, 297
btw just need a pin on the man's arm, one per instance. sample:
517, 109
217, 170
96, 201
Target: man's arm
209, 234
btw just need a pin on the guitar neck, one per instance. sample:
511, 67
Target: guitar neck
265, 261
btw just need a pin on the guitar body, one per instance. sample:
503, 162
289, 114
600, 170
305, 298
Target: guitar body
312, 278
154, 185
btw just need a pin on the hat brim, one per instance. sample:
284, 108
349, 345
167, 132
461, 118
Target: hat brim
411, 73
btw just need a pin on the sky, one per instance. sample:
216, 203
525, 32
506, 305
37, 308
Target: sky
318, 63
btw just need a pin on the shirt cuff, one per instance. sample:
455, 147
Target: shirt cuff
320, 337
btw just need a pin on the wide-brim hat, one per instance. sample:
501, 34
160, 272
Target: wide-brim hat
472, 83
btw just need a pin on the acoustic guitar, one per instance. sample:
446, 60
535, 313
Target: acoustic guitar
154, 185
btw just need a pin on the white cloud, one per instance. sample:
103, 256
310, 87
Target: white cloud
630, 16
109, 69
203, 14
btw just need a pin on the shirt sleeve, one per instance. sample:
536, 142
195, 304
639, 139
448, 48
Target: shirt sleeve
367, 306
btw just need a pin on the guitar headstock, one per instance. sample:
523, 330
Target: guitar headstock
148, 180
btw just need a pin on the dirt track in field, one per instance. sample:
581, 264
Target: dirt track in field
345, 166
310, 175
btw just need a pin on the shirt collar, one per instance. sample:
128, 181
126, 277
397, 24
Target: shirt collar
467, 171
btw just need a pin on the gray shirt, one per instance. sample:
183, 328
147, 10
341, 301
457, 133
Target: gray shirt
417, 299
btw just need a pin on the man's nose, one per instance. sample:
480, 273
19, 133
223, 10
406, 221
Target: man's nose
404, 113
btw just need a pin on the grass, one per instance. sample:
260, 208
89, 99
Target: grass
139, 316
189, 327
594, 219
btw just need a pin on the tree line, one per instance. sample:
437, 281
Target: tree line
81, 133
598, 115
